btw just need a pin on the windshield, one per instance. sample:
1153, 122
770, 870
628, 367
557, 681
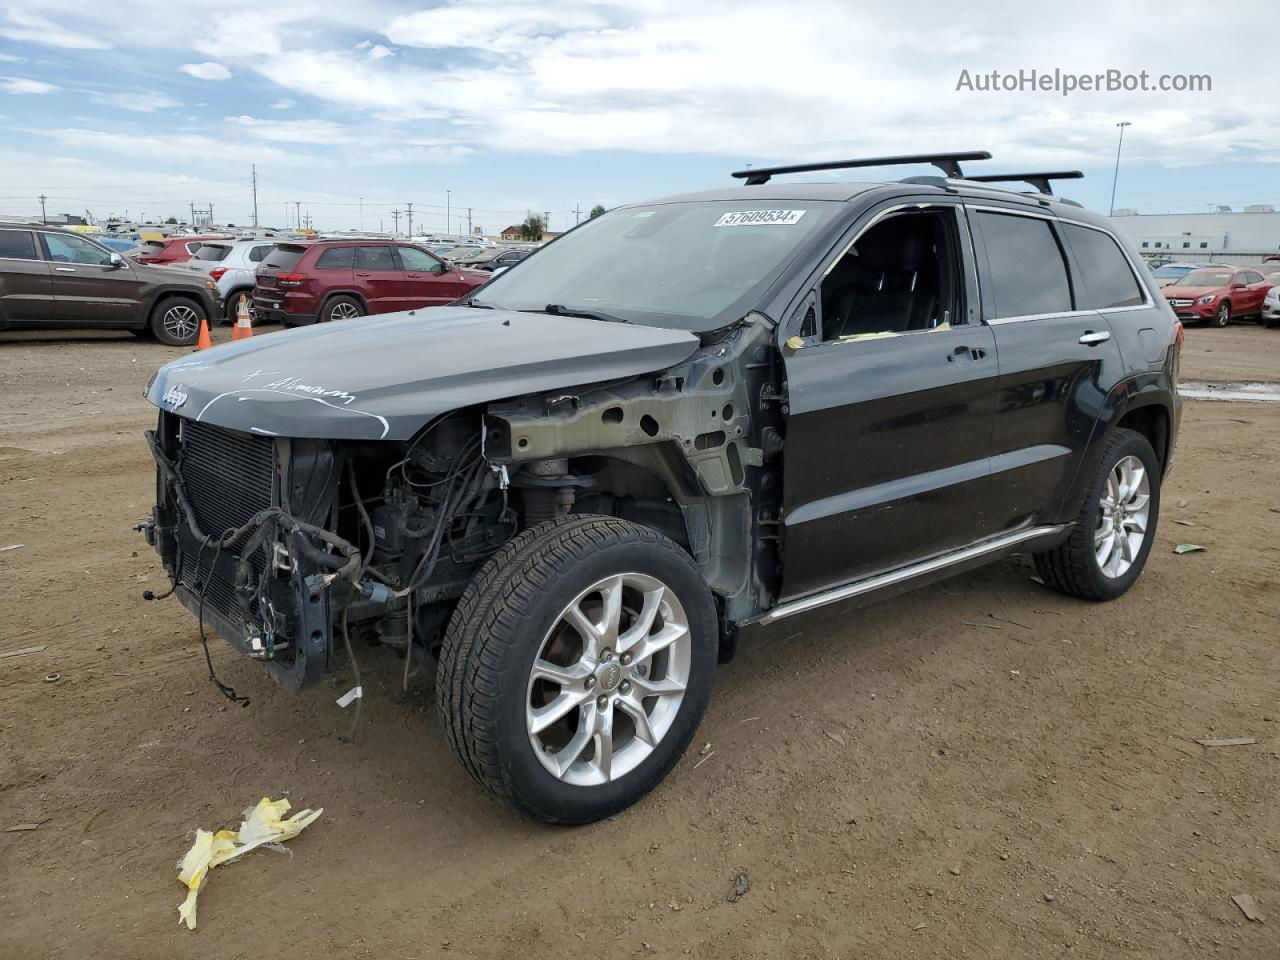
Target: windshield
1206, 278
694, 265
1171, 270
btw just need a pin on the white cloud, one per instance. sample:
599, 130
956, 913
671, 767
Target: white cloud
284, 104
10, 58
170, 147
379, 52
206, 71
30, 28
138, 102
24, 85
292, 131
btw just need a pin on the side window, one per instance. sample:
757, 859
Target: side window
1105, 274
68, 248
374, 258
419, 261
257, 253
1251, 277
17, 245
902, 275
1026, 271
336, 258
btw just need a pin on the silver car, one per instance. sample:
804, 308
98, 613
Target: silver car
230, 265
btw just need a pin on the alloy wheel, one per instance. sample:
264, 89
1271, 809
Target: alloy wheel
608, 680
1122, 517
1224, 315
181, 322
343, 311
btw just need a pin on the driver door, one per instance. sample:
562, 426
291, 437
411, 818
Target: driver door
891, 394
89, 287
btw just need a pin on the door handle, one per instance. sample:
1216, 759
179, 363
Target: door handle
363, 274
973, 353
1091, 339
65, 269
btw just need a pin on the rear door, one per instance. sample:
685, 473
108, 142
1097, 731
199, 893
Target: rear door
88, 287
379, 278
1255, 289
26, 280
427, 281
1057, 360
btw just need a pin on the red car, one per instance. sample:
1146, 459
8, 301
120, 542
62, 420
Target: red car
1218, 294
302, 282
172, 249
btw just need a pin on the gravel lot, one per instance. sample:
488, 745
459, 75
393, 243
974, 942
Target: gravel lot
980, 769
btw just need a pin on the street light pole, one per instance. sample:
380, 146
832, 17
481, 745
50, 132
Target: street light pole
448, 210
1122, 124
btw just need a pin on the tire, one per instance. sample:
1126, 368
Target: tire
341, 308
176, 321
493, 708
1074, 566
232, 309
1271, 322
1222, 316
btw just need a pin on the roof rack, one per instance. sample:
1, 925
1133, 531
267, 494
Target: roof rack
948, 163
1038, 180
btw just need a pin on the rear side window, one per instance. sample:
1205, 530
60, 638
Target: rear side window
1027, 274
283, 258
374, 258
257, 253
1107, 279
335, 258
212, 252
17, 245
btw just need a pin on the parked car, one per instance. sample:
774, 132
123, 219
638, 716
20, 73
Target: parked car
1217, 295
53, 279
1168, 274
231, 264
305, 281
681, 418
1271, 302
172, 249
504, 259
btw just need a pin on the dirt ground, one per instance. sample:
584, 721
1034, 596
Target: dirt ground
980, 769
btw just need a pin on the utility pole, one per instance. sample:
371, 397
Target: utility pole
577, 214
448, 209
410, 206
193, 214
468, 221
210, 202
1122, 124
362, 214
43, 216
297, 206
255, 194
396, 214
546, 221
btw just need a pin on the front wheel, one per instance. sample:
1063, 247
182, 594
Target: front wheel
1222, 317
577, 667
176, 321
1116, 526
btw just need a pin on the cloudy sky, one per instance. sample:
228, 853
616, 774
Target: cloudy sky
505, 106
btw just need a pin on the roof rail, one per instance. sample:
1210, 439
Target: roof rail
1038, 180
948, 163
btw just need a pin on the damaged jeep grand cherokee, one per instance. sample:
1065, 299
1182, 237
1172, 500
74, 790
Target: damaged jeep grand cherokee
571, 489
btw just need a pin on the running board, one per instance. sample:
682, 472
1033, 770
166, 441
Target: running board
902, 574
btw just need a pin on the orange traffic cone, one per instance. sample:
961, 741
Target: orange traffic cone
202, 341
244, 323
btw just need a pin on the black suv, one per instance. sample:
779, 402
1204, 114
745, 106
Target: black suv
683, 417
56, 279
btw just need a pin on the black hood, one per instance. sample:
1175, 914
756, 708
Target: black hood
385, 377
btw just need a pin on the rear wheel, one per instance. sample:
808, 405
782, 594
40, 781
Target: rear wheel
1222, 317
577, 667
1114, 531
176, 321
341, 308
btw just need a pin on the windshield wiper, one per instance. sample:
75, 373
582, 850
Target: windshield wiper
560, 310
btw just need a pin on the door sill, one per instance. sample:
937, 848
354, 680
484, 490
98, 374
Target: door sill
903, 574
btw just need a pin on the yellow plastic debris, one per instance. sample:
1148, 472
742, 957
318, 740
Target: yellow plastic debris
263, 824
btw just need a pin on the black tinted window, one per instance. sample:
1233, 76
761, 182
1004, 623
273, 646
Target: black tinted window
335, 258
17, 245
1251, 277
283, 258
212, 252
374, 258
1027, 274
1108, 281
257, 253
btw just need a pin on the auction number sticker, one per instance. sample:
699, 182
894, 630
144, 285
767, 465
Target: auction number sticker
744, 218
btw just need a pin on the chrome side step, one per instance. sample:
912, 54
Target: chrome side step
872, 584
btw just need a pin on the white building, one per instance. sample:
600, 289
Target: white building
1222, 237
